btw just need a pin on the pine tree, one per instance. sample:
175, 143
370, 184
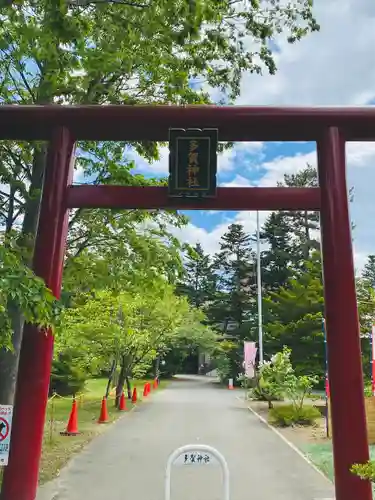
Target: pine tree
296, 312
368, 273
303, 224
276, 259
366, 312
235, 267
199, 281
291, 265
291, 236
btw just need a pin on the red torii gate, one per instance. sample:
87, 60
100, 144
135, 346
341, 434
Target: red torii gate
329, 127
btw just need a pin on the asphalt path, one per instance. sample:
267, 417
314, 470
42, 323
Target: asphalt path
128, 461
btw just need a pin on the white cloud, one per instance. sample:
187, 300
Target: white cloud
360, 259
360, 154
332, 67
159, 167
241, 156
238, 181
210, 240
361, 176
276, 168
79, 173
227, 161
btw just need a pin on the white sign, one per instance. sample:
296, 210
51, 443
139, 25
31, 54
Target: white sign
6, 413
196, 454
194, 457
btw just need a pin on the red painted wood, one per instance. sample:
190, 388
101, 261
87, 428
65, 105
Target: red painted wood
21, 476
349, 430
235, 123
247, 198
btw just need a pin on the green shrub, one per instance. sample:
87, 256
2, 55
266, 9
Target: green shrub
223, 368
316, 397
276, 380
261, 394
368, 390
288, 415
67, 376
364, 471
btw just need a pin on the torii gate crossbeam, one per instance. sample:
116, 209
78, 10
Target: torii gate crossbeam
329, 127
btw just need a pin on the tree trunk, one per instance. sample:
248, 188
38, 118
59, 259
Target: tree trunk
307, 236
157, 367
9, 360
110, 378
10, 215
128, 387
197, 301
32, 208
120, 382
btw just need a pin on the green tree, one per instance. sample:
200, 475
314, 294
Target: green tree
295, 315
291, 236
276, 379
19, 287
192, 337
366, 312
366, 305
127, 255
225, 357
130, 328
199, 281
54, 52
368, 272
277, 259
271, 380
20, 290
303, 224
235, 268
233, 309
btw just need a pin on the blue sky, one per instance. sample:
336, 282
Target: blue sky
333, 67
245, 165
247, 170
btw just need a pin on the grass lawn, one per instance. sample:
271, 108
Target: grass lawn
312, 440
57, 449
321, 455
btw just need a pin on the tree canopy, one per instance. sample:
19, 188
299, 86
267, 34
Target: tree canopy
121, 52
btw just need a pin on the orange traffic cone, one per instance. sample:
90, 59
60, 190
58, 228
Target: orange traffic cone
104, 418
122, 406
155, 383
134, 397
145, 390
72, 427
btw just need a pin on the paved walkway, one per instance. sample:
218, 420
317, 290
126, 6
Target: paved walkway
128, 461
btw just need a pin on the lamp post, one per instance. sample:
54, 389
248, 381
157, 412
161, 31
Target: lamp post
259, 293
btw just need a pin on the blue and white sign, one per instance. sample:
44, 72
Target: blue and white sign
6, 414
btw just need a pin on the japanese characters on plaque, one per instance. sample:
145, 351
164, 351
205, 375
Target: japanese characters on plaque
192, 162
